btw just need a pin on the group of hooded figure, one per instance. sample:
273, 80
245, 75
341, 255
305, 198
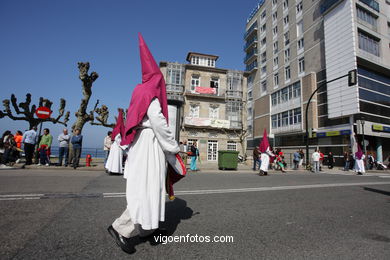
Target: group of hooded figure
153, 164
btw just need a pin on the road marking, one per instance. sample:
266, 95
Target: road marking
384, 176
183, 192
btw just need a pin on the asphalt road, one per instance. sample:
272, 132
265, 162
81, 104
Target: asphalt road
57, 214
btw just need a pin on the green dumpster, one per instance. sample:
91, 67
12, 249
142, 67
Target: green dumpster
227, 160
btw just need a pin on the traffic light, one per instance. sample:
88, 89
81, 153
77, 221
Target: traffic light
352, 77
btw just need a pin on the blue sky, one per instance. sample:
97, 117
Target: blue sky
42, 41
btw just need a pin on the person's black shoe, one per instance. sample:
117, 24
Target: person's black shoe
359, 173
265, 173
120, 240
261, 173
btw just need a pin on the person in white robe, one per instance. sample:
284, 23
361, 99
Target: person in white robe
150, 141
359, 162
265, 154
114, 162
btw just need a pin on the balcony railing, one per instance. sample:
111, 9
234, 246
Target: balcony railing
174, 96
250, 55
250, 42
175, 88
371, 3
233, 94
251, 67
250, 30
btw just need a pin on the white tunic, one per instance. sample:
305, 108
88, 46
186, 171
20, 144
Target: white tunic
265, 160
359, 164
115, 157
145, 169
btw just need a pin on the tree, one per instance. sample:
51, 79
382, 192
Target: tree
82, 115
27, 112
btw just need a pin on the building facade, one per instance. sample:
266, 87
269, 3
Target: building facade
206, 104
294, 46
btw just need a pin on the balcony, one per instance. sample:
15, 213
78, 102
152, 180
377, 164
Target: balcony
175, 97
250, 42
251, 67
371, 3
233, 94
251, 29
175, 88
250, 55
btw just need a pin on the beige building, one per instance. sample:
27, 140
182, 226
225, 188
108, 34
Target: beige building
294, 46
207, 104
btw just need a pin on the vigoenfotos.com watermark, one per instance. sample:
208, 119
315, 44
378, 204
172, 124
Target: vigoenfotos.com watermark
193, 239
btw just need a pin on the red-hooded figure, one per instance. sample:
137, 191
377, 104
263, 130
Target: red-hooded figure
151, 144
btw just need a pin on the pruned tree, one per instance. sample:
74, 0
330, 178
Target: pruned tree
102, 117
27, 111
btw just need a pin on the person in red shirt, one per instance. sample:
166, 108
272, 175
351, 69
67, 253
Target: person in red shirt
322, 156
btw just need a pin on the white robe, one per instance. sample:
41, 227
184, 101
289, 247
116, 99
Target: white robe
115, 157
265, 160
359, 164
145, 169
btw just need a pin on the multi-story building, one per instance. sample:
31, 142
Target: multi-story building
294, 46
206, 104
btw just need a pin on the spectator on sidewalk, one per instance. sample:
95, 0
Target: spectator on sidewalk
107, 145
29, 141
45, 147
296, 159
322, 157
64, 139
331, 160
346, 161
194, 153
18, 137
316, 161
9, 146
370, 161
77, 141
302, 156
256, 158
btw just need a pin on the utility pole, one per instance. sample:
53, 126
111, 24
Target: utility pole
352, 80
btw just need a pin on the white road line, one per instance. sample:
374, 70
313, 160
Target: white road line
217, 191
384, 176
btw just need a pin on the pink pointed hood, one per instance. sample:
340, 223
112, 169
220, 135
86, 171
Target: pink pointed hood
119, 127
264, 145
152, 86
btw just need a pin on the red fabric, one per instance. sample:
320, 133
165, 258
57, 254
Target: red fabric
119, 127
18, 140
322, 156
264, 145
205, 90
153, 86
359, 153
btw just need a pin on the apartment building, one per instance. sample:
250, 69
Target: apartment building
294, 46
206, 104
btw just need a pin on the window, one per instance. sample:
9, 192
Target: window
263, 14
263, 42
300, 44
194, 110
297, 116
250, 112
284, 95
299, 7
263, 57
174, 74
299, 28
275, 31
286, 38
287, 55
301, 65
276, 79
263, 28
213, 112
274, 119
274, 98
296, 90
275, 16
231, 146
195, 82
212, 148
250, 97
214, 83
285, 4
195, 60
263, 70
276, 49
366, 16
274, 2
368, 43
287, 73
285, 20
285, 118
276, 61
263, 86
